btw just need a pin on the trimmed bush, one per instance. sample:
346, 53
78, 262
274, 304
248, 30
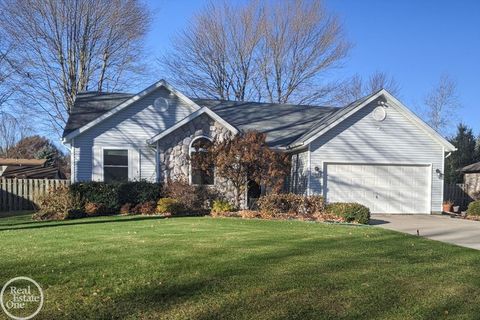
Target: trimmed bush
57, 204
169, 205
145, 208
96, 209
126, 208
474, 208
139, 192
113, 195
351, 212
290, 203
220, 206
193, 198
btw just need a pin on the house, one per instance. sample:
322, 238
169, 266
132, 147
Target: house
471, 179
374, 151
28, 169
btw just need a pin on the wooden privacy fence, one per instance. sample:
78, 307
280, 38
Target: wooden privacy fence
23, 194
458, 193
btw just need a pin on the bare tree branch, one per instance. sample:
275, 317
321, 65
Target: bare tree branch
441, 105
63, 47
12, 130
357, 87
275, 53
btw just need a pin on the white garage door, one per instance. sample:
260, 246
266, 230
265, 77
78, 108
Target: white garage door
382, 188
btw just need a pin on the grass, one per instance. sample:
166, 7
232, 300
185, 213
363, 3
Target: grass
202, 268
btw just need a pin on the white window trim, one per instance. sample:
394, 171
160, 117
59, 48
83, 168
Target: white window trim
130, 153
128, 161
190, 162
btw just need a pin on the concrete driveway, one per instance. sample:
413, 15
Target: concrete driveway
461, 232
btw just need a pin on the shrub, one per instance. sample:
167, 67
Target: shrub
114, 195
351, 212
220, 206
75, 214
192, 198
97, 193
474, 208
249, 214
126, 208
56, 204
137, 192
169, 205
289, 203
145, 208
95, 209
313, 204
183, 192
46, 216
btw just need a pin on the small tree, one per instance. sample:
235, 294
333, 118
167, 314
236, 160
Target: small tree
246, 157
38, 147
465, 142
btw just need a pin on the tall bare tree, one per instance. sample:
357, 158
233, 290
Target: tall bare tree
276, 52
357, 87
63, 47
441, 105
12, 130
215, 55
302, 42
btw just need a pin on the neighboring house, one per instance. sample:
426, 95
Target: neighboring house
374, 151
471, 179
28, 169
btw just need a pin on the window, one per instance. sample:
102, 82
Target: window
115, 165
199, 174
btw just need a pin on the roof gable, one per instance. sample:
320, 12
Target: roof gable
339, 116
189, 118
107, 102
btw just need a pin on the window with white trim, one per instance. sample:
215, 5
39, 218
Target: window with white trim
115, 165
201, 174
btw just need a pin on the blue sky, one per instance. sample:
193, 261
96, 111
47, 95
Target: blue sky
413, 41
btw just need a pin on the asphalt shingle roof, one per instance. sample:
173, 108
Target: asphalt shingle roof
90, 105
284, 124
473, 168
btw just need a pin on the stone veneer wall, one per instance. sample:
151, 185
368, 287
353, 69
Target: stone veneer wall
472, 180
174, 152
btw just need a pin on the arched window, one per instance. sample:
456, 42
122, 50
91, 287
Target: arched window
201, 172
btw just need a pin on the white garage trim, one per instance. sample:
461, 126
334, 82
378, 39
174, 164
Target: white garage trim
428, 182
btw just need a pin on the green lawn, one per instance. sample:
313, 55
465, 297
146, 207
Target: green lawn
202, 268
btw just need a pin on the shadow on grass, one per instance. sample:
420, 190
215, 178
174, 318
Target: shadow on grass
376, 222
84, 221
270, 285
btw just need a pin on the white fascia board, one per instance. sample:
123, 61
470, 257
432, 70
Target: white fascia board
123, 105
189, 118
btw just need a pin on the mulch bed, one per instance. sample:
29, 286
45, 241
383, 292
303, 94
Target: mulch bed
250, 214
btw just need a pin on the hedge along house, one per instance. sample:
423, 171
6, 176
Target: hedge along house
374, 151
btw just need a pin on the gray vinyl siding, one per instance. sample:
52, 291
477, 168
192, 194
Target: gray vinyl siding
299, 173
129, 128
361, 139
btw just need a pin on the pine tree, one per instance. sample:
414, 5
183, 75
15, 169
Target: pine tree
50, 153
466, 154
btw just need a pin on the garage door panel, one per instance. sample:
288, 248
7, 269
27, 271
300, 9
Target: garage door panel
382, 188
